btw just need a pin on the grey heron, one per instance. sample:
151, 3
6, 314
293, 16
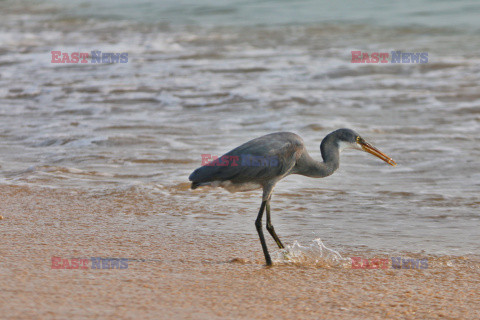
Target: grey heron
262, 162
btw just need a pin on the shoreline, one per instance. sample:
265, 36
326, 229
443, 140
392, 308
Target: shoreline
180, 273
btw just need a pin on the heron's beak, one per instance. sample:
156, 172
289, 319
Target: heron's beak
367, 147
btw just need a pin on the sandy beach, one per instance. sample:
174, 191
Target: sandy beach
176, 273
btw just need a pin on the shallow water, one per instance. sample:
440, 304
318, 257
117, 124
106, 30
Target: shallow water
208, 78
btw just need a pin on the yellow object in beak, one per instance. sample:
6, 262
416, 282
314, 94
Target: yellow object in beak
367, 147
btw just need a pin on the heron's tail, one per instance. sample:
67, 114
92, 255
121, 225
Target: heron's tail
195, 185
202, 176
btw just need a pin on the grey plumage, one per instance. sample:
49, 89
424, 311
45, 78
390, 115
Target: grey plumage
290, 157
283, 145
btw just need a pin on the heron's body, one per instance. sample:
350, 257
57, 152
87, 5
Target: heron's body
289, 157
285, 146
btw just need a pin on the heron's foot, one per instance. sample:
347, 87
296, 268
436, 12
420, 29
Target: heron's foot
280, 244
272, 232
268, 261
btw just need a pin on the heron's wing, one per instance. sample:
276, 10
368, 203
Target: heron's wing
259, 160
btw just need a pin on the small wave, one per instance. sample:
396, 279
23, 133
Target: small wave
167, 160
184, 186
61, 170
316, 254
238, 70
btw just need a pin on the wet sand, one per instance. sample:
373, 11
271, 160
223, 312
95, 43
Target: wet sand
177, 272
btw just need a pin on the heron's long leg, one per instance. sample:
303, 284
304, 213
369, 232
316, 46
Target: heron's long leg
270, 228
258, 225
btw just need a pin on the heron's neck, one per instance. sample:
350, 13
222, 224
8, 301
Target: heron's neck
324, 169
319, 169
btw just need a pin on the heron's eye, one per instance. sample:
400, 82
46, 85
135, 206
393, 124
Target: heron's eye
358, 139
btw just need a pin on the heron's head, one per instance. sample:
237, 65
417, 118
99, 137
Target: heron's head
349, 139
